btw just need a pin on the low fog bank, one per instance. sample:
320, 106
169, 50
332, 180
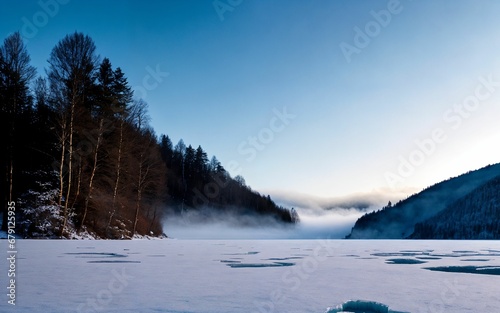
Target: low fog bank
366, 201
215, 224
315, 223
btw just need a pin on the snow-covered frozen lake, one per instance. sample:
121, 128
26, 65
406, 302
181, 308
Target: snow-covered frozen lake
253, 275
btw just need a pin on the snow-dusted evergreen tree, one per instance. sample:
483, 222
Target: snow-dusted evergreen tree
41, 214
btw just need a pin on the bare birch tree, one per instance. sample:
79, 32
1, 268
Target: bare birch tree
72, 64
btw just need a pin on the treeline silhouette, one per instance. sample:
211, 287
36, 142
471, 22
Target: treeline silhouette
79, 156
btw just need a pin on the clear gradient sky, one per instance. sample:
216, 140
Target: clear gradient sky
356, 114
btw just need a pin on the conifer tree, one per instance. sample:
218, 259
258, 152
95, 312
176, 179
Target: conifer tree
16, 74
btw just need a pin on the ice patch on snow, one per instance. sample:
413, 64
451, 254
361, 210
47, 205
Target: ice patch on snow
484, 270
404, 261
361, 306
259, 265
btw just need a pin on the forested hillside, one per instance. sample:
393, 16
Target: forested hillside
79, 157
194, 182
398, 221
475, 216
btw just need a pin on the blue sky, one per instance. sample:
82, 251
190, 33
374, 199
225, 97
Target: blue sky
361, 124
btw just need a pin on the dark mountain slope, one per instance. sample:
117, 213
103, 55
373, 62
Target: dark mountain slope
475, 216
398, 221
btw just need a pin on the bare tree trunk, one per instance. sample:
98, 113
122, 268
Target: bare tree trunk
143, 174
139, 196
61, 164
78, 185
70, 166
61, 174
118, 172
137, 207
92, 174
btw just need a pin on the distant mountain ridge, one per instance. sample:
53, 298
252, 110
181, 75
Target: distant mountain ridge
399, 221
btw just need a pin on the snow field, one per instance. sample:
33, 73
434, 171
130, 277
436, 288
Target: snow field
258, 276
